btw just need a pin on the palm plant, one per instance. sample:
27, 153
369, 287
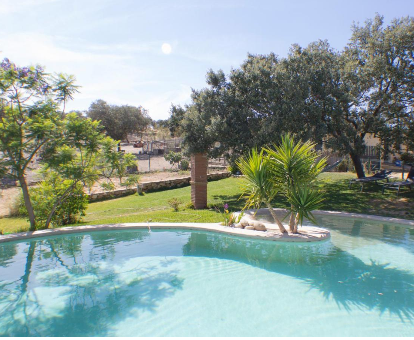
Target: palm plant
303, 201
259, 187
293, 167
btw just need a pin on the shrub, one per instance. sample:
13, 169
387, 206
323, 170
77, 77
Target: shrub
175, 203
47, 194
173, 158
346, 165
184, 164
189, 205
131, 181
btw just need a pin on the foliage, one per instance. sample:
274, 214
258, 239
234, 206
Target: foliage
119, 121
294, 166
407, 157
131, 181
33, 124
336, 96
228, 218
346, 165
303, 201
288, 169
175, 203
174, 121
259, 187
45, 195
173, 157
154, 205
184, 164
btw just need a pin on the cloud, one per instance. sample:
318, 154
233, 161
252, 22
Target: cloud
13, 6
117, 73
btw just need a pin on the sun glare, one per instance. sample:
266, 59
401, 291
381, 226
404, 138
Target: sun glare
166, 48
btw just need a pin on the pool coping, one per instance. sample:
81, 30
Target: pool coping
307, 234
271, 235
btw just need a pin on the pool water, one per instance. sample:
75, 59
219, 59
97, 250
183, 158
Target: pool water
194, 283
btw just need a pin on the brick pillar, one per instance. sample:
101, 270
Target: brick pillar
198, 182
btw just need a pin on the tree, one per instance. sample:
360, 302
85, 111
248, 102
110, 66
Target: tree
288, 169
34, 124
366, 88
293, 167
30, 118
317, 93
259, 187
119, 121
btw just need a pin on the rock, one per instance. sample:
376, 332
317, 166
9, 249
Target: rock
249, 227
259, 226
238, 225
244, 222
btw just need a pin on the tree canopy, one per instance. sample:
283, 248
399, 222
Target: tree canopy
119, 121
35, 127
316, 93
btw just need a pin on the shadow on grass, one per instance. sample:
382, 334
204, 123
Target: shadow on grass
339, 197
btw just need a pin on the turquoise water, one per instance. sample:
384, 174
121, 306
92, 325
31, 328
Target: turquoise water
182, 283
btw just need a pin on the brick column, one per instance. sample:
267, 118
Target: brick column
198, 182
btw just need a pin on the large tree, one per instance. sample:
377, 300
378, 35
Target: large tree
316, 93
119, 121
35, 128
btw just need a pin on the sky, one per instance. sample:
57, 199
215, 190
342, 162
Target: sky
152, 53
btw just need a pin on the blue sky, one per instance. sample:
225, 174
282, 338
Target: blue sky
113, 47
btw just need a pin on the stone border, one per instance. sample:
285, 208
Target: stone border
154, 185
308, 234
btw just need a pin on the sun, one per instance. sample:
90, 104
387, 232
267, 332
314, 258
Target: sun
166, 48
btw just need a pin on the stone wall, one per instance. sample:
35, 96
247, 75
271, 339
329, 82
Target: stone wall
153, 186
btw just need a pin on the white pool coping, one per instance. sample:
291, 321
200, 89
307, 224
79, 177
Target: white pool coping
307, 234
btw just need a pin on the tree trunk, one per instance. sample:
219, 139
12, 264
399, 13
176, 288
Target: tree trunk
295, 228
358, 165
28, 203
277, 221
292, 221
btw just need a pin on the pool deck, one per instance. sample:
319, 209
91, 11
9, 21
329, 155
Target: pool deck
307, 234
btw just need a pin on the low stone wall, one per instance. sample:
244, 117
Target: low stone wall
153, 186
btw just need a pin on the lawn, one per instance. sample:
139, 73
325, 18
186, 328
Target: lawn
154, 206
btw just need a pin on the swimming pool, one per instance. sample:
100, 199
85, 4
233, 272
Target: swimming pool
198, 283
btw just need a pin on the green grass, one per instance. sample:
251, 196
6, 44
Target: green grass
154, 206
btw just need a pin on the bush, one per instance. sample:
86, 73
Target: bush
175, 203
131, 181
346, 165
173, 158
189, 205
184, 164
46, 194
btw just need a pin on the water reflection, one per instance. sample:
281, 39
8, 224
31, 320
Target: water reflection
335, 273
59, 293
82, 285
